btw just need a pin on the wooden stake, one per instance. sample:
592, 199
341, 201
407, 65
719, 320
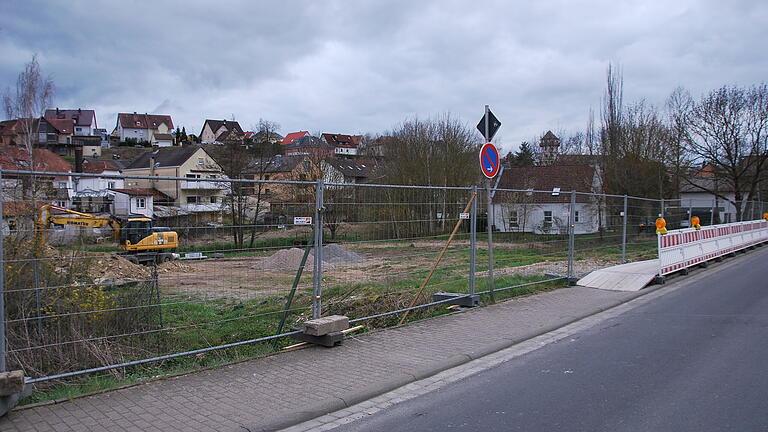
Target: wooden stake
437, 261
345, 332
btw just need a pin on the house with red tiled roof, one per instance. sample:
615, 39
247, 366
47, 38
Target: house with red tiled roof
83, 122
56, 188
537, 199
150, 128
344, 145
293, 136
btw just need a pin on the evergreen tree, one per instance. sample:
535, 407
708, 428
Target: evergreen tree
524, 156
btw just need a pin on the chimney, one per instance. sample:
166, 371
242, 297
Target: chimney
78, 158
79, 110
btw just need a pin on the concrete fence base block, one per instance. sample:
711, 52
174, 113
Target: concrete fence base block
329, 340
457, 299
326, 325
12, 389
11, 382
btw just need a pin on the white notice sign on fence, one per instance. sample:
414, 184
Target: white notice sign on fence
302, 220
463, 215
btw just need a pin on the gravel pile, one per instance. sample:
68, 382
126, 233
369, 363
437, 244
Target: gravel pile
290, 259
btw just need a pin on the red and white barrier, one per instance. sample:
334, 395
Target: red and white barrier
683, 248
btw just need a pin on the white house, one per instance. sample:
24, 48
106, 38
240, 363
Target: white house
132, 202
213, 129
143, 127
536, 199
695, 196
93, 193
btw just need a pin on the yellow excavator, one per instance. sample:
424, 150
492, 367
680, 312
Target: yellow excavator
139, 241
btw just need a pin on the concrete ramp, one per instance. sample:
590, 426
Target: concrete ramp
626, 277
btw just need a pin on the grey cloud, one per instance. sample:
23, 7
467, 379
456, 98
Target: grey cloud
363, 66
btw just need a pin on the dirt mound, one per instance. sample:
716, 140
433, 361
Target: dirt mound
290, 259
174, 266
106, 269
336, 254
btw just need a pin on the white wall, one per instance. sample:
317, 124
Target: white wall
126, 205
530, 217
137, 134
707, 200
100, 184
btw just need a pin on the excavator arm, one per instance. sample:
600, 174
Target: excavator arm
46, 217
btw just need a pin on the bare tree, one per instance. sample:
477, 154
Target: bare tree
28, 101
728, 129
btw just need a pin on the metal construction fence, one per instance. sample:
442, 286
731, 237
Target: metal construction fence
258, 257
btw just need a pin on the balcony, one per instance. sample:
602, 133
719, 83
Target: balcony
202, 208
203, 185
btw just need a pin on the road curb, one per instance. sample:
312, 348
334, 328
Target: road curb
435, 368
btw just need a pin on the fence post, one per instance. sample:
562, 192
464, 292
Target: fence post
624, 232
317, 274
36, 269
661, 215
712, 212
571, 238
473, 242
489, 226
2, 278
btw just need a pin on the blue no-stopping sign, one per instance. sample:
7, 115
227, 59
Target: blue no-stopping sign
489, 160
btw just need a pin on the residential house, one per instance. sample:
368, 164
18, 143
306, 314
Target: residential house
151, 128
57, 188
293, 136
344, 145
132, 202
91, 194
301, 168
213, 129
536, 199
202, 198
267, 137
309, 145
713, 199
8, 132
83, 121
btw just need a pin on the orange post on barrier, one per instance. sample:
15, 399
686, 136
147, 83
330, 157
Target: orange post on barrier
661, 226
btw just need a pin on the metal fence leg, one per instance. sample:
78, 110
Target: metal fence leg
571, 239
473, 243
661, 215
317, 275
2, 280
712, 212
624, 232
489, 226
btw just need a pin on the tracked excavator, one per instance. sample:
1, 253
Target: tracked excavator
138, 241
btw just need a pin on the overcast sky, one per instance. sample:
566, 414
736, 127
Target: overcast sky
365, 66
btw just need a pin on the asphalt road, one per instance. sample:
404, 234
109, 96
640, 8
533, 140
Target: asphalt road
695, 359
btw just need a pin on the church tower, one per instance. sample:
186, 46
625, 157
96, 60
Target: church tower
549, 148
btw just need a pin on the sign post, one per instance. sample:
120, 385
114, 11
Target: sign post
490, 164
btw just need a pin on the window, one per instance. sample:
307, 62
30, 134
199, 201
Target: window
192, 200
61, 184
513, 219
193, 176
141, 203
110, 185
576, 216
213, 199
547, 216
79, 129
266, 177
200, 161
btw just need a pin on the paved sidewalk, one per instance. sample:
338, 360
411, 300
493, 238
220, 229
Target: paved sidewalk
285, 389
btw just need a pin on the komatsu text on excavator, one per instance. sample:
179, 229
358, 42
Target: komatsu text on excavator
140, 242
